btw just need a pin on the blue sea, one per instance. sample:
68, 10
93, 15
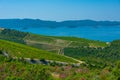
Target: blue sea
101, 33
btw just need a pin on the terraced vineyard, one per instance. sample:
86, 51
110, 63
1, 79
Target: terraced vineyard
50, 43
20, 50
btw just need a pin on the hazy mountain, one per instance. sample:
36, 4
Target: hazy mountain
26, 23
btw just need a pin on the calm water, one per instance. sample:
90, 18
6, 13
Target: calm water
96, 33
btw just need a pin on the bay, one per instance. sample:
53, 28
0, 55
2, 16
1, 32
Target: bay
101, 33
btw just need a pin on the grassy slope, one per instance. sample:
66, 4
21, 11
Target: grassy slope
91, 43
46, 40
19, 50
55, 42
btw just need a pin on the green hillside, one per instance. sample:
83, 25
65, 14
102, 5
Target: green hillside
12, 35
63, 41
19, 50
101, 59
49, 43
91, 43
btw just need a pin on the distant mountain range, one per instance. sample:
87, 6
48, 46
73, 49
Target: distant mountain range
26, 23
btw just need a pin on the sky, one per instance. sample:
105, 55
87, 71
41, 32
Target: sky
60, 10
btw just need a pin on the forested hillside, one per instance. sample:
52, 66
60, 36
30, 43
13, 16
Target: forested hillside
12, 35
96, 57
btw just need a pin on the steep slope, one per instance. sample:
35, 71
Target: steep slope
19, 50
